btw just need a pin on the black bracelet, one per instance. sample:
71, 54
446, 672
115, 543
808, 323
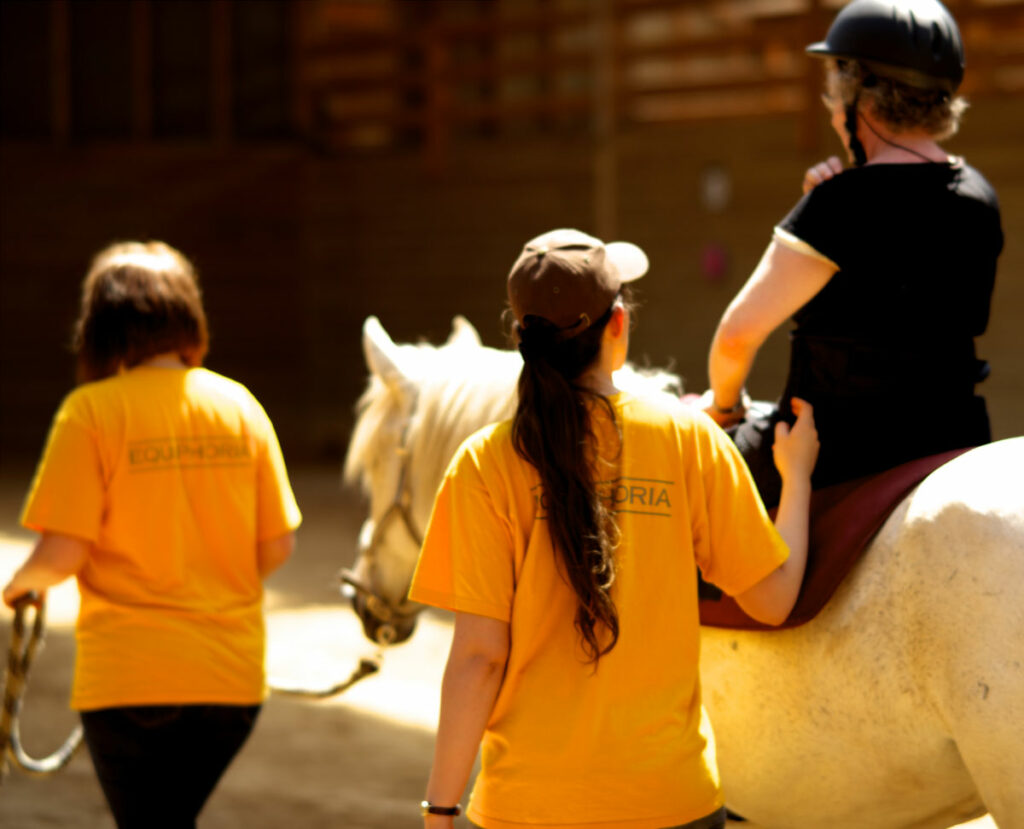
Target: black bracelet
428, 808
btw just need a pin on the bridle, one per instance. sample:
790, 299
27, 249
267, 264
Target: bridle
383, 609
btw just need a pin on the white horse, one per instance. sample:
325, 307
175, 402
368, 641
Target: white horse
900, 705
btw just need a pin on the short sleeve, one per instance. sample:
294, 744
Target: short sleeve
68, 492
815, 224
277, 511
467, 560
735, 542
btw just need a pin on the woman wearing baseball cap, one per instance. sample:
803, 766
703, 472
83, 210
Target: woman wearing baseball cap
886, 268
567, 542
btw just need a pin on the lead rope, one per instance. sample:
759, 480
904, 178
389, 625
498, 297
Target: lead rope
367, 667
19, 660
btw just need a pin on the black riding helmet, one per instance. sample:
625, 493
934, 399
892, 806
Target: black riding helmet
916, 42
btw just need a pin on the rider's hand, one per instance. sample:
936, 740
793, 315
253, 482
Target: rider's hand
822, 171
796, 447
14, 592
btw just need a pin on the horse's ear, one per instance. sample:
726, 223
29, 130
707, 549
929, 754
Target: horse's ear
463, 333
382, 355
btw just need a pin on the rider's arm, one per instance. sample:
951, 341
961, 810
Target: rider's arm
56, 557
476, 667
771, 600
784, 280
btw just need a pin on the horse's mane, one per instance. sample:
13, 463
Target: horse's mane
372, 410
450, 392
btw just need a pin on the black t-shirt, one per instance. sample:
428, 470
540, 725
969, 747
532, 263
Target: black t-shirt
885, 351
916, 246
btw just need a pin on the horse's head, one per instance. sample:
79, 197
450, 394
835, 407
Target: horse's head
413, 415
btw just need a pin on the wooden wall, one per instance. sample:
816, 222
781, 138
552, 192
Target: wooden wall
295, 250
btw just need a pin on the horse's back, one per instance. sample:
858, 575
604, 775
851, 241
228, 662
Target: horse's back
905, 694
986, 481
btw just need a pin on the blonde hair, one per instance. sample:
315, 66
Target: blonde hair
899, 106
139, 299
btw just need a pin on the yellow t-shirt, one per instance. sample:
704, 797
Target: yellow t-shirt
174, 475
623, 745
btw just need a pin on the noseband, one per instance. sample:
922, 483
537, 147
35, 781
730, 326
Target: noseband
383, 609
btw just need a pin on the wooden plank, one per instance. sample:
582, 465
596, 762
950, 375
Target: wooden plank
808, 132
787, 34
301, 93
220, 66
717, 108
682, 89
438, 102
545, 20
60, 70
745, 12
605, 118
445, 72
142, 70
462, 113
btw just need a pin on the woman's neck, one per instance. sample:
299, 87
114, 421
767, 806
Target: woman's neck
169, 359
883, 146
598, 382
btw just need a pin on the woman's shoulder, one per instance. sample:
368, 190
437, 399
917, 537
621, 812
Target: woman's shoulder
844, 193
659, 410
490, 444
93, 395
209, 391
204, 381
856, 193
869, 177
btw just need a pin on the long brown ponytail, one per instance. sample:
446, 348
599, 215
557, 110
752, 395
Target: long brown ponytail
552, 431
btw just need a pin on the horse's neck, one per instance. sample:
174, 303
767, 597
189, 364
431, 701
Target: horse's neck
451, 410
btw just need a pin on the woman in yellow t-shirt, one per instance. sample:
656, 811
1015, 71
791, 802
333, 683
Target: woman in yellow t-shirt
567, 543
163, 490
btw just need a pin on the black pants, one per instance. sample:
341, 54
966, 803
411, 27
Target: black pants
858, 440
158, 764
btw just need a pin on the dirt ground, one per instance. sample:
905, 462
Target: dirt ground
358, 760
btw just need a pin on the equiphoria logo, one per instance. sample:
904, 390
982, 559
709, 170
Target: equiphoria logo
181, 453
641, 496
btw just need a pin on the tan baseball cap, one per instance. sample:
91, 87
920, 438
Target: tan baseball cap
570, 279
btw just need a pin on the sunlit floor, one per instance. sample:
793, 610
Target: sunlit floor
313, 648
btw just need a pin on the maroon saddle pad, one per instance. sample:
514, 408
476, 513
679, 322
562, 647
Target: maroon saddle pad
844, 519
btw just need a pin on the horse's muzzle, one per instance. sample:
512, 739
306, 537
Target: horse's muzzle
383, 624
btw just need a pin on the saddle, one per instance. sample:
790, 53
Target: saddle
844, 519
